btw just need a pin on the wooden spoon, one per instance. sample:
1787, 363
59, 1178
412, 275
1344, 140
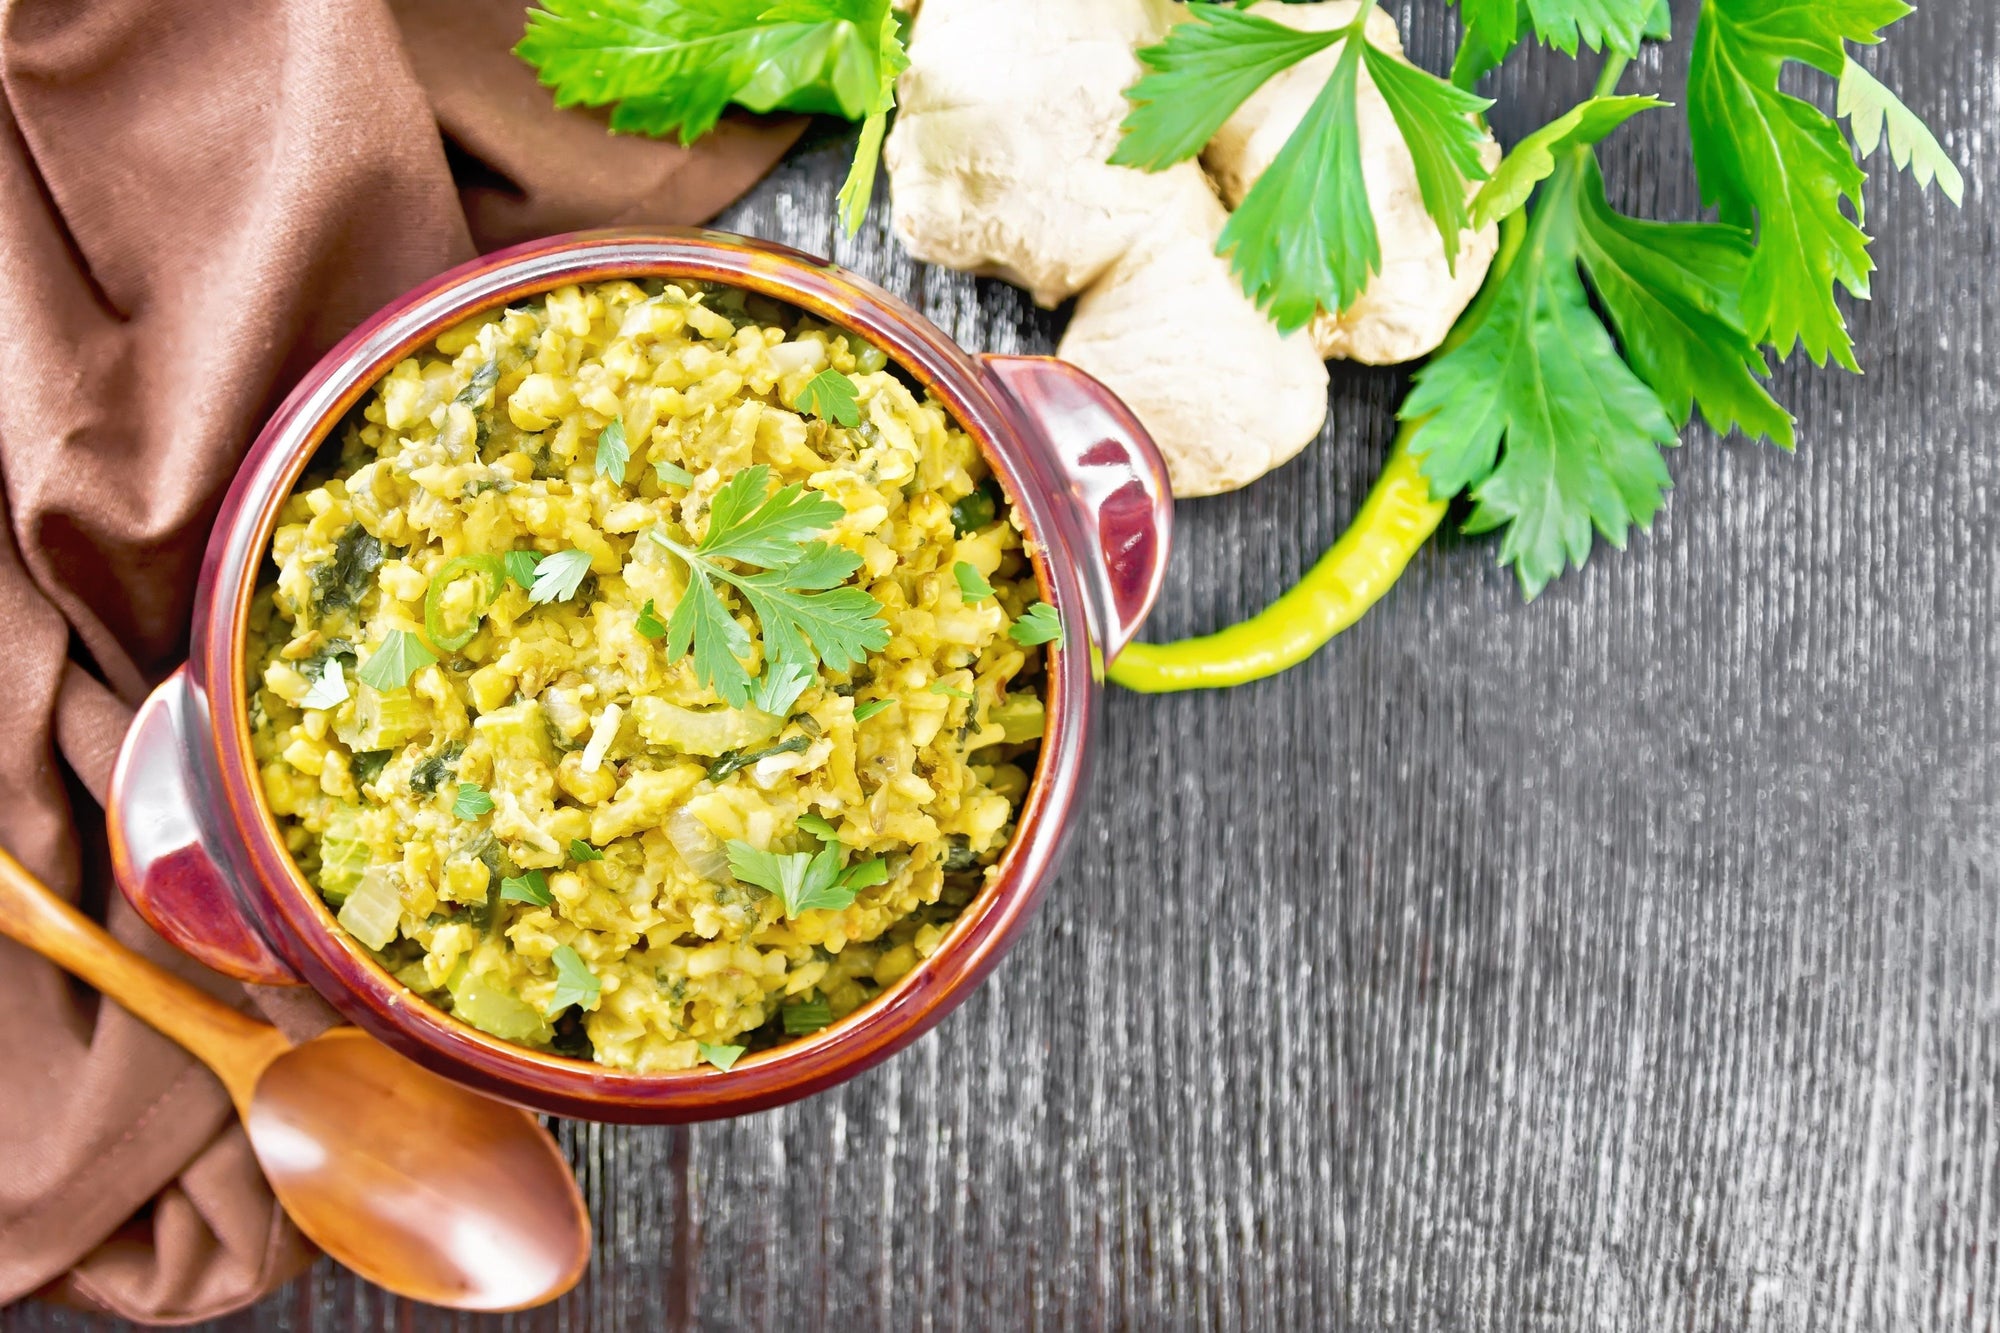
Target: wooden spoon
415, 1183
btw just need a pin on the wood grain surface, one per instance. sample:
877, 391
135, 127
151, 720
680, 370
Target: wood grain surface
1624, 961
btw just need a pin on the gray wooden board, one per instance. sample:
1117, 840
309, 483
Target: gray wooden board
1623, 961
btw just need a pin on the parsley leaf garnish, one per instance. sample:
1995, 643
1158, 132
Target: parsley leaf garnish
558, 576
612, 451
521, 566
576, 984
1038, 624
532, 887
780, 687
806, 881
579, 850
972, 585
401, 656
673, 474
649, 624
805, 1017
1533, 160
471, 801
1774, 163
940, 687
831, 396
722, 1057
672, 65
869, 708
330, 690
819, 826
806, 616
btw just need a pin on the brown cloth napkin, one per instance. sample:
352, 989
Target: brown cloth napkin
197, 199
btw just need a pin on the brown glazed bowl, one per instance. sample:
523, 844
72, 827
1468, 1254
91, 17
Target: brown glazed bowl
197, 850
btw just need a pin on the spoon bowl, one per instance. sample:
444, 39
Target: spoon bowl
417, 1184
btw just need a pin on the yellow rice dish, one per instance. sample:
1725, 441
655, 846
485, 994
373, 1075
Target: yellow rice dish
653, 675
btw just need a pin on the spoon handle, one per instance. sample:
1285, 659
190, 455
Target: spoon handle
235, 1047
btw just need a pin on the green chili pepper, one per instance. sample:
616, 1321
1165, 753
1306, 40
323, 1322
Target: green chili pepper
495, 575
1398, 517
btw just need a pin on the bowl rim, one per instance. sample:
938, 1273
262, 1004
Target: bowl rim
339, 968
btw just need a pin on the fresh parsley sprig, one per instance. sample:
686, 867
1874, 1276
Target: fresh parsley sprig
807, 881
671, 66
808, 618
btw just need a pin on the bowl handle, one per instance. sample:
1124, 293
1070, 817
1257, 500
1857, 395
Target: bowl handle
1111, 472
160, 850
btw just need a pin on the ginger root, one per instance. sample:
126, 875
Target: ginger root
998, 165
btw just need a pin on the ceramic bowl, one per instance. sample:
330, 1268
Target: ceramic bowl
196, 848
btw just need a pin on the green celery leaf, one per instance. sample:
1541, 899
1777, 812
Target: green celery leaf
1038, 624
1660, 24
649, 623
1779, 166
1533, 160
1198, 76
401, 656
972, 584
1493, 28
612, 451
1583, 433
521, 566
860, 182
721, 1056
576, 984
1869, 108
671, 65
531, 888
1618, 24
701, 623
330, 690
831, 396
1444, 137
471, 801
558, 576
1304, 237
1671, 291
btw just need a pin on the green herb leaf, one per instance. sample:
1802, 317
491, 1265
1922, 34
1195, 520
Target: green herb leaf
734, 760
939, 687
532, 887
1493, 28
612, 451
471, 801
673, 474
1038, 624
865, 875
860, 182
1439, 126
864, 711
970, 513
521, 566
1534, 158
802, 881
722, 1057
831, 396
330, 690
1204, 70
805, 1017
480, 385
558, 576
1771, 162
401, 656
1569, 25
780, 687
576, 984
579, 850
972, 585
346, 578
649, 624
1869, 108
819, 827
805, 616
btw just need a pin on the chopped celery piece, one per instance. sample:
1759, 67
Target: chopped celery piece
383, 721
518, 731
1020, 716
711, 732
481, 1000
374, 910
343, 855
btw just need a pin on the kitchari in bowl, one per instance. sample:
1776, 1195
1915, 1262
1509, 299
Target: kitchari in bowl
655, 676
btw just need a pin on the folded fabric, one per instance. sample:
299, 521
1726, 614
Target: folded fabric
196, 201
